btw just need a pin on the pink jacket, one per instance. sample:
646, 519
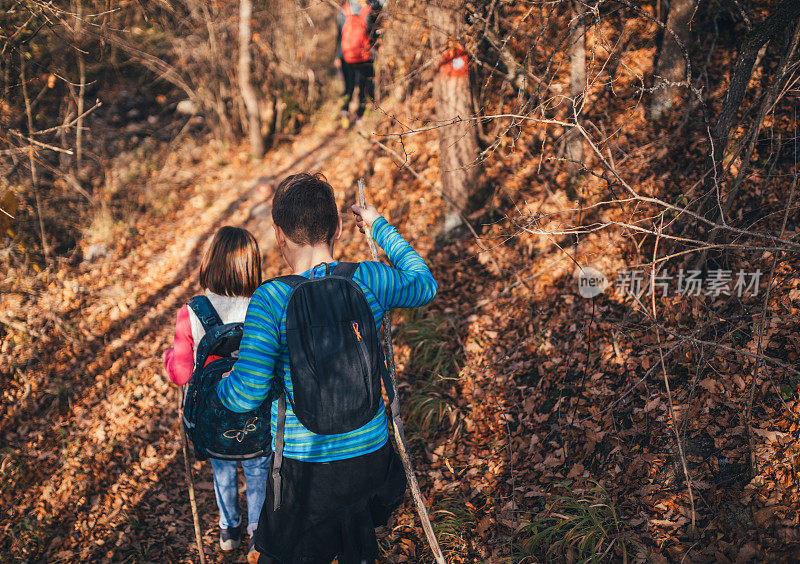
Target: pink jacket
179, 360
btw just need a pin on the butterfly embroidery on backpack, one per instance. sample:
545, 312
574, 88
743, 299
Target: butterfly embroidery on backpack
239, 434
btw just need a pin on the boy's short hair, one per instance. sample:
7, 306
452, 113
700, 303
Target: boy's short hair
304, 207
232, 263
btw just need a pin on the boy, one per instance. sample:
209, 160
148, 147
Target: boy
335, 488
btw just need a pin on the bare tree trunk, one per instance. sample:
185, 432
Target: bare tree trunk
81, 87
32, 158
248, 93
64, 157
776, 89
272, 118
577, 87
671, 66
458, 143
784, 15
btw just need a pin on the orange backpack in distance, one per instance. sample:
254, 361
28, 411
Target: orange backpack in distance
355, 39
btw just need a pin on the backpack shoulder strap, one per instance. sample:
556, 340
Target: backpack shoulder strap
345, 269
205, 312
277, 458
292, 280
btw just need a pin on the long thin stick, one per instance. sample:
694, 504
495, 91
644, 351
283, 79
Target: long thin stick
81, 88
670, 403
397, 422
34, 176
765, 316
190, 481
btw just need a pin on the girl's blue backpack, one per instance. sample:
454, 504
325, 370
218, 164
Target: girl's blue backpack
216, 431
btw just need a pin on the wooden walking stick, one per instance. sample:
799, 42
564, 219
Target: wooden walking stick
189, 479
397, 422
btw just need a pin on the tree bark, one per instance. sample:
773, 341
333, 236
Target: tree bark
81, 86
773, 94
458, 143
32, 158
577, 61
783, 16
671, 65
248, 93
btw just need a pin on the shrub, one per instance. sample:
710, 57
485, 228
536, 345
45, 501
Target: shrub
579, 529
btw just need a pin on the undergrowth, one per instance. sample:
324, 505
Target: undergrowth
429, 335
578, 529
430, 411
453, 522
432, 368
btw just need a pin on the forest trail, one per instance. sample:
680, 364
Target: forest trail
112, 407
658, 420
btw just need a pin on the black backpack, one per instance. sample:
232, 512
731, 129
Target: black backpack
335, 360
216, 431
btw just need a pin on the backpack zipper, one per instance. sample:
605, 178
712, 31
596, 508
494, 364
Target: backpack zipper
361, 345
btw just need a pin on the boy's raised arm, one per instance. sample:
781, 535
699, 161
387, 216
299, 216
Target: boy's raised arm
250, 381
410, 283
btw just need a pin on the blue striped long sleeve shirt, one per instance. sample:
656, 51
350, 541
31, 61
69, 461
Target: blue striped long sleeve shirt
264, 355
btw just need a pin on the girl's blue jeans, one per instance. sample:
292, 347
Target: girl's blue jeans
226, 488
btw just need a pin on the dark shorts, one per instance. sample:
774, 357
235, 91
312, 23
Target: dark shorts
330, 509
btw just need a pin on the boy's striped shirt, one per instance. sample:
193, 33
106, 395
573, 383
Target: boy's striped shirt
264, 353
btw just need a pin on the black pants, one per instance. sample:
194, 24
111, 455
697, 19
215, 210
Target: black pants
361, 75
330, 509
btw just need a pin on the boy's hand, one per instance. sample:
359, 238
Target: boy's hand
365, 217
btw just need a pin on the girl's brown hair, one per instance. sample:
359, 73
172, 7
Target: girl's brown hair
232, 263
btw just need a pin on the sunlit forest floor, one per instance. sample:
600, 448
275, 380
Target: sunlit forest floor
491, 376
99, 475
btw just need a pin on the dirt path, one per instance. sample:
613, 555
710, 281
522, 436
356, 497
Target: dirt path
91, 451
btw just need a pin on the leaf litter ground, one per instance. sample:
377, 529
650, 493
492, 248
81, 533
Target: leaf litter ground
507, 403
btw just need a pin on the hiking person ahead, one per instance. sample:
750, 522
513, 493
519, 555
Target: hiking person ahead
331, 489
357, 27
229, 274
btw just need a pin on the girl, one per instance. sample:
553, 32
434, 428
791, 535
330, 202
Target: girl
229, 274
